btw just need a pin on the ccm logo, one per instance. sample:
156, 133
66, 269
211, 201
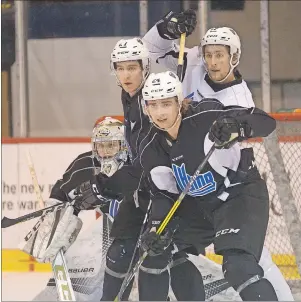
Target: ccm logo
227, 231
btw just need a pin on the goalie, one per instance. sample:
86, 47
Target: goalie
59, 229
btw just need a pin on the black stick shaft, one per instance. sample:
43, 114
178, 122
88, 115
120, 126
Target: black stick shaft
7, 222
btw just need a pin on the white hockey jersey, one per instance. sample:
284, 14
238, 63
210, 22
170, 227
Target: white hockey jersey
195, 86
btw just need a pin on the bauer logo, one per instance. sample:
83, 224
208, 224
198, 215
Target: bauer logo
123, 45
203, 184
156, 90
81, 270
156, 81
103, 131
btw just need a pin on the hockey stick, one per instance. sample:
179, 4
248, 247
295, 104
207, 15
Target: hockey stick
181, 57
59, 267
168, 217
7, 222
126, 282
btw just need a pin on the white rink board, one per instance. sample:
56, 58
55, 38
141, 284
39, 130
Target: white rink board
50, 161
18, 196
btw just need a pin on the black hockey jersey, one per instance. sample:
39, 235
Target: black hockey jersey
136, 123
137, 126
80, 170
169, 163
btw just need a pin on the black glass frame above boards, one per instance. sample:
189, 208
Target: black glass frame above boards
82, 19
8, 55
75, 19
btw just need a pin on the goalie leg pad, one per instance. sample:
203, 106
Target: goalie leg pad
245, 275
57, 230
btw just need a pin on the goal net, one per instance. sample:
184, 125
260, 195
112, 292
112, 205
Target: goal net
279, 161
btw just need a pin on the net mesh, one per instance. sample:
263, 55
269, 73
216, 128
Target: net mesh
278, 239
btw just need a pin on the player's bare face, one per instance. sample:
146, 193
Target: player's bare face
130, 75
164, 113
217, 59
107, 149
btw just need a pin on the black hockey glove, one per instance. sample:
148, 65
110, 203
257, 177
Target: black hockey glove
156, 244
226, 131
92, 193
174, 24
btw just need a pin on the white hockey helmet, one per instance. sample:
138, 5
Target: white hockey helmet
222, 36
162, 85
131, 50
109, 130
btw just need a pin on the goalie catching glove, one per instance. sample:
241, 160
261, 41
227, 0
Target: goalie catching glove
54, 231
92, 193
226, 131
174, 24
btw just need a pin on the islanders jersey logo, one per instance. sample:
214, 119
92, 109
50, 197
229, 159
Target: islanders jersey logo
204, 184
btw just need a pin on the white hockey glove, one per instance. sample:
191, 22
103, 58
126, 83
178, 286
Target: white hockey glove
57, 230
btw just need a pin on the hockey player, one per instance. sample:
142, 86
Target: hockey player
60, 228
229, 191
210, 71
131, 65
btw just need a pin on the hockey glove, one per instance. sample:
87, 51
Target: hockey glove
92, 193
54, 231
226, 131
174, 24
156, 244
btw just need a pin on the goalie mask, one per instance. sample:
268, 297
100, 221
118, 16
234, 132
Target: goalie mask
108, 145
